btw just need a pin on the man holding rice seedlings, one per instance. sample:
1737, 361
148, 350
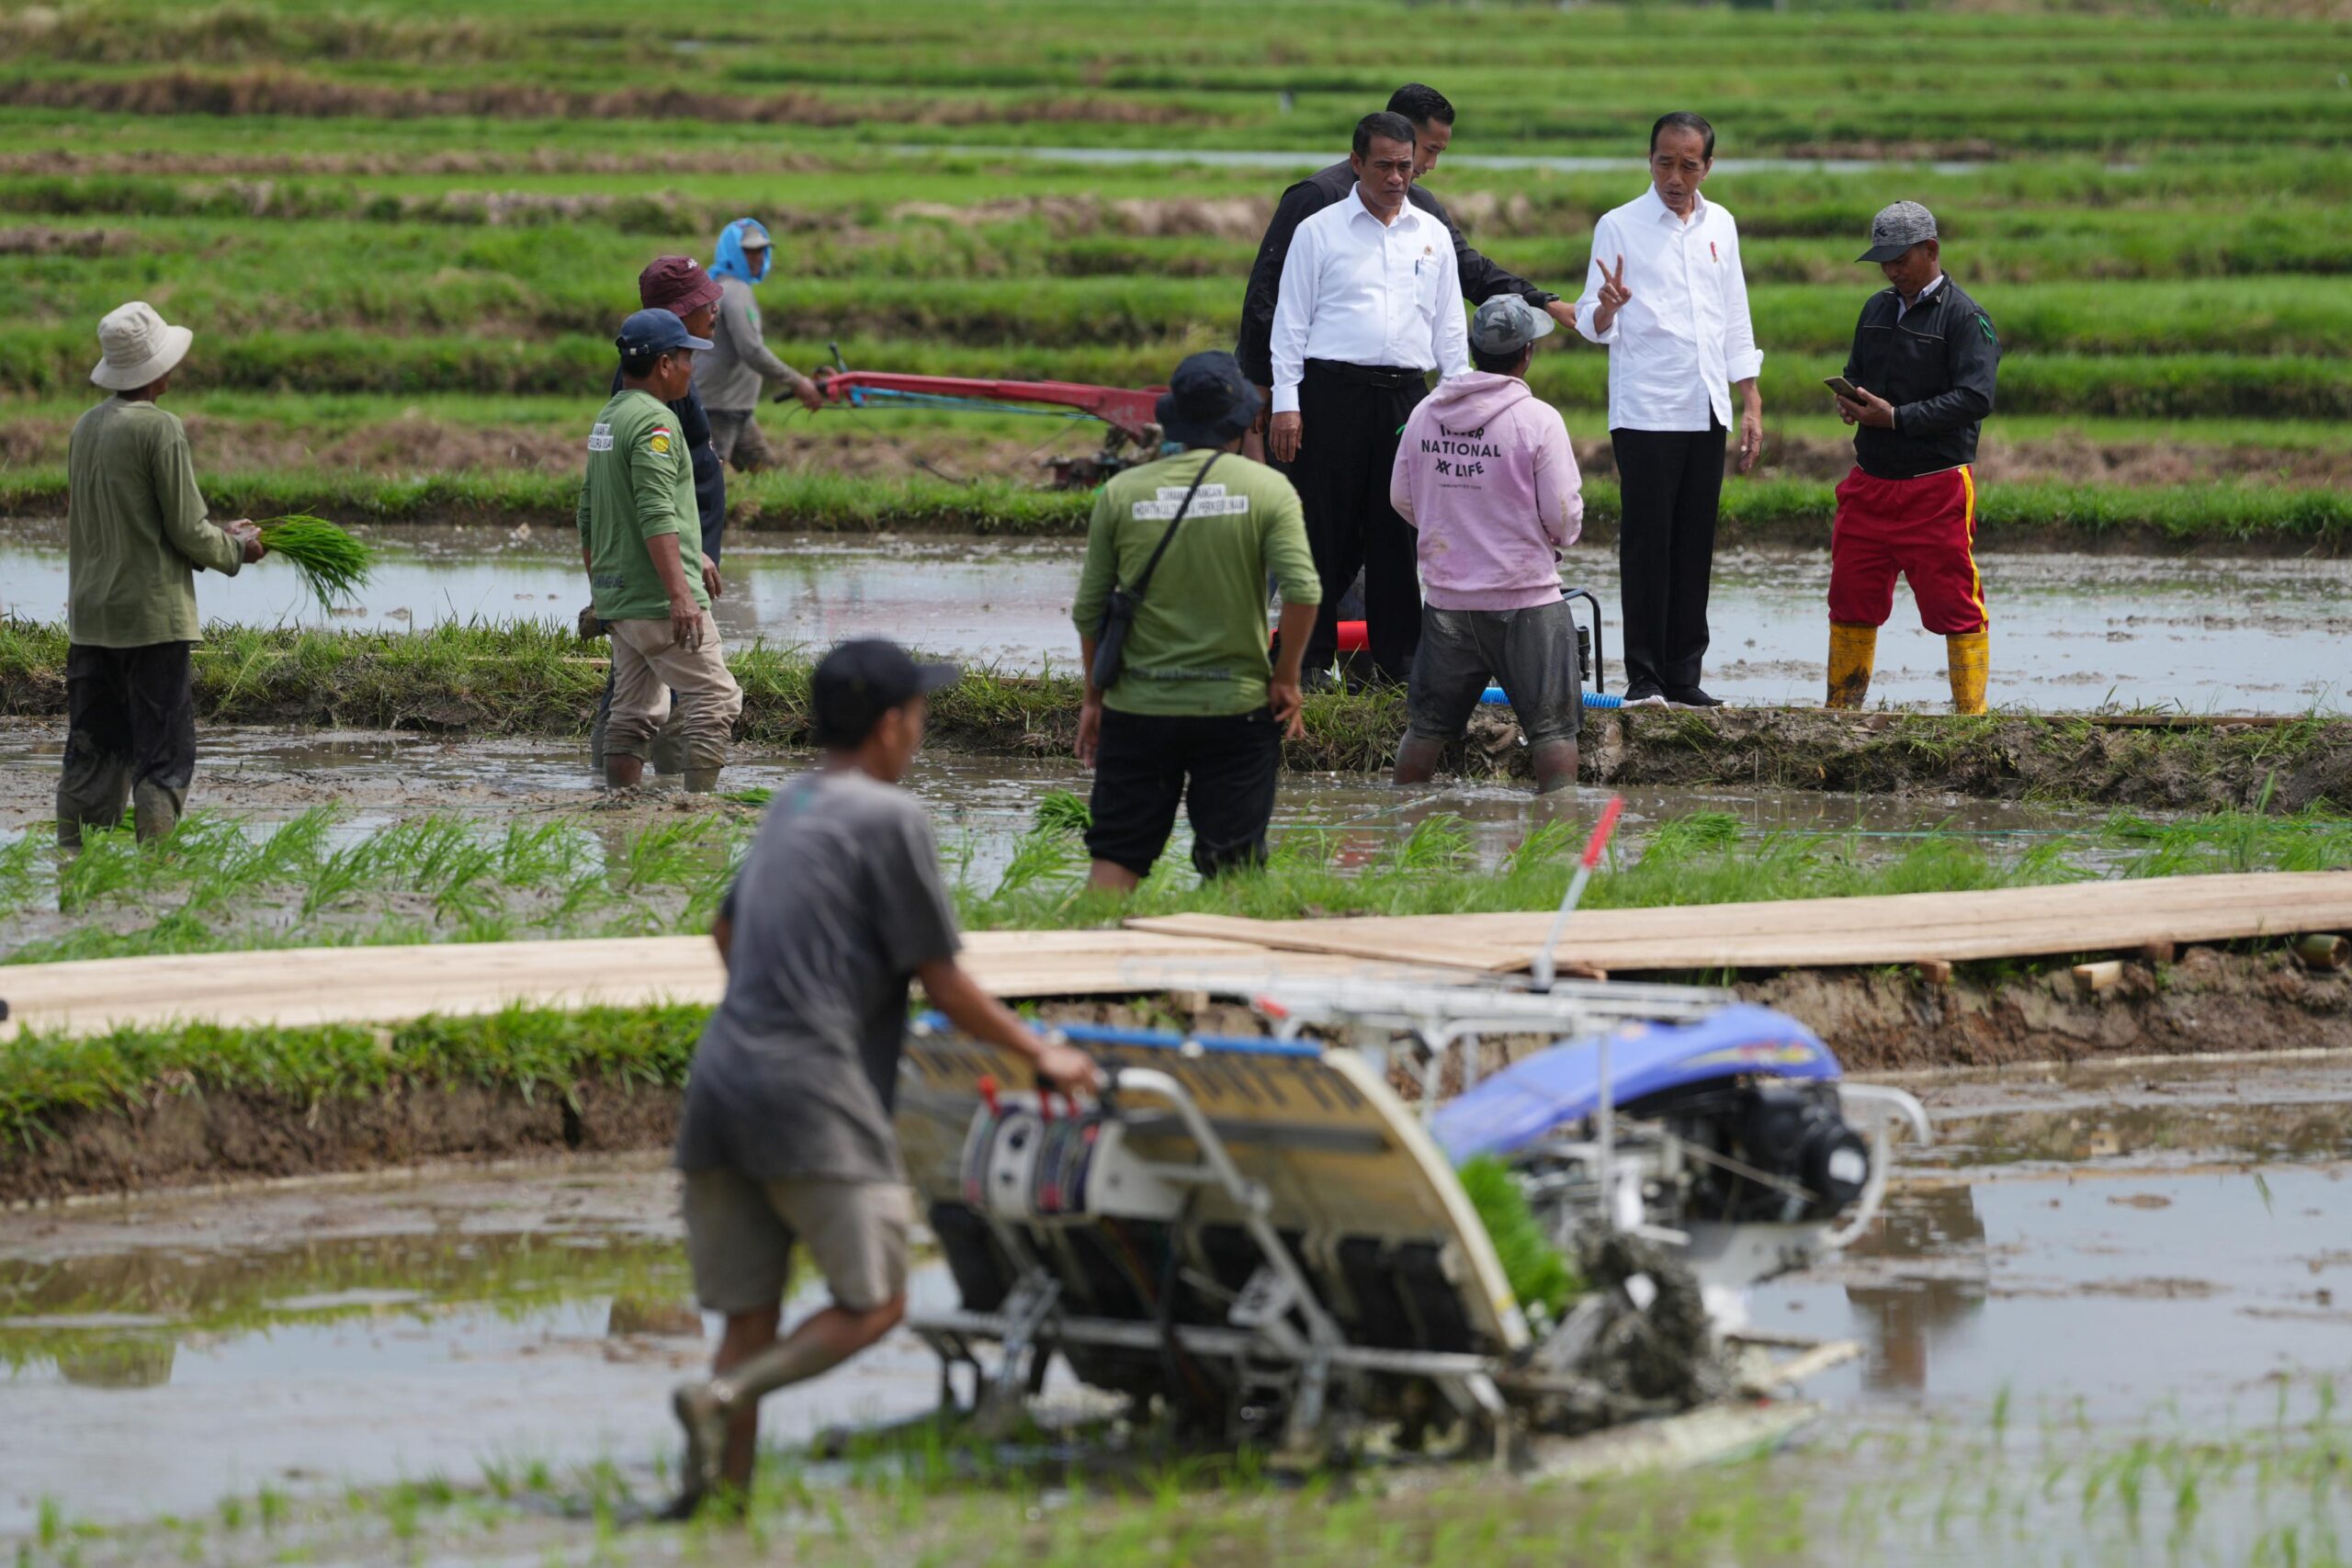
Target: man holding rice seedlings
786, 1139
640, 540
136, 535
1918, 387
740, 363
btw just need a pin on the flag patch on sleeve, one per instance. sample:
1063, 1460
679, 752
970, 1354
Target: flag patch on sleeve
659, 443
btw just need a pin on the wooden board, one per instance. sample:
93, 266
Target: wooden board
2020, 922
386, 984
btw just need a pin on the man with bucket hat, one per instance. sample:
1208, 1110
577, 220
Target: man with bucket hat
1922, 375
1485, 474
1177, 555
136, 534
640, 540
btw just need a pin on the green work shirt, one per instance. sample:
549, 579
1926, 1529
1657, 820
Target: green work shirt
640, 484
1199, 641
135, 529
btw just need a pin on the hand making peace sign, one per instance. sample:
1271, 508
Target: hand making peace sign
1614, 296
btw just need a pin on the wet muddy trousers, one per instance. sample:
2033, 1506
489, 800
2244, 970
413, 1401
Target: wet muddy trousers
647, 668
1853, 651
669, 746
130, 739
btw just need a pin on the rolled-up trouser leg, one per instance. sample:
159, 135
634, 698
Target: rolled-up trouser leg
649, 670
93, 783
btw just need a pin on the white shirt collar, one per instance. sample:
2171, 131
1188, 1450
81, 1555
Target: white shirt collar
1904, 306
1406, 215
1661, 212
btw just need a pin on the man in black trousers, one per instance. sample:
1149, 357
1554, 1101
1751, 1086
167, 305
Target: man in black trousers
1370, 303
1431, 117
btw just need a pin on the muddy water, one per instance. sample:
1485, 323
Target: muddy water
2070, 632
2095, 1244
980, 805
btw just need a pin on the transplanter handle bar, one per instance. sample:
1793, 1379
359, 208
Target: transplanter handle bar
1545, 964
1886, 1108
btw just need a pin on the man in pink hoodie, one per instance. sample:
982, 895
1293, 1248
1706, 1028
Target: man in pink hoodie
1485, 473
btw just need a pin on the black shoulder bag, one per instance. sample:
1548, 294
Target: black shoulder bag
1119, 614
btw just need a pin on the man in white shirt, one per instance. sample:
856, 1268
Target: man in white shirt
1371, 302
1665, 294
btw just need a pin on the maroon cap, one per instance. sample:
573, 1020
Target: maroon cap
676, 283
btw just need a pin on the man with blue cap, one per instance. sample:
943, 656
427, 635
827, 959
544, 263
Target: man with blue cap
729, 377
640, 537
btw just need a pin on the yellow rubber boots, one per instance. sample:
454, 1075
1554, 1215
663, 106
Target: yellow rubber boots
1852, 652
1968, 658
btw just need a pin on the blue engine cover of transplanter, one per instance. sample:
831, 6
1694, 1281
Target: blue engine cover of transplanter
1562, 1085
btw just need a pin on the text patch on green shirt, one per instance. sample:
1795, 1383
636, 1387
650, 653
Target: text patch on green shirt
1199, 642
640, 485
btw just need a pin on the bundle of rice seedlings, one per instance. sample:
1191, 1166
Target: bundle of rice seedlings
1539, 1275
333, 565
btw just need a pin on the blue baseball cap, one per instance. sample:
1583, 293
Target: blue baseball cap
656, 332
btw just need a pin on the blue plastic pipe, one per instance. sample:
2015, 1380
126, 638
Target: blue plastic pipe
1591, 699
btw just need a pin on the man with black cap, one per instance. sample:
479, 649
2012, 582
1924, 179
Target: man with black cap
640, 540
787, 1135
1195, 711
1485, 473
1922, 371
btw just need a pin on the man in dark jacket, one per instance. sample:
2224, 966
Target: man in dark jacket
1924, 356
1432, 119
680, 286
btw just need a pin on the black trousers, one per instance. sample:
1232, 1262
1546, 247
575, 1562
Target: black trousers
1672, 481
130, 728
1221, 767
1348, 447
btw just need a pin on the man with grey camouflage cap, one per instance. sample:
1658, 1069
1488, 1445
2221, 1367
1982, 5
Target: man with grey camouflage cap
1921, 373
1485, 476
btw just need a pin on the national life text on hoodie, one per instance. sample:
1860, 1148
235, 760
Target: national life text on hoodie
1485, 472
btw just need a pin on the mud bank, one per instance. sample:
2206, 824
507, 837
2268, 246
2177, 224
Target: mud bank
529, 679
193, 1118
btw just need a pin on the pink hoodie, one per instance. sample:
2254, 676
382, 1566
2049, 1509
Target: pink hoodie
1486, 472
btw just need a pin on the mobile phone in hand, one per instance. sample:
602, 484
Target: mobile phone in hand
1843, 387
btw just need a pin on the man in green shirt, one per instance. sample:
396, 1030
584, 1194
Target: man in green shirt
640, 537
136, 535
1196, 712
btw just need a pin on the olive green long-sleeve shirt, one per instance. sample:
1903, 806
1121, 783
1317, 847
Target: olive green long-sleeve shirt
135, 529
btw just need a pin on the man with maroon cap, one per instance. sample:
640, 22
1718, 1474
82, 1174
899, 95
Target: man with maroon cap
680, 286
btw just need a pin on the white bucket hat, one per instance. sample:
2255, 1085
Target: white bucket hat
138, 347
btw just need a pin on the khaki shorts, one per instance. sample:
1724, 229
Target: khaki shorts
740, 1233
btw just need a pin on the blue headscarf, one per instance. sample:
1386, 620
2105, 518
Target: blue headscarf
729, 261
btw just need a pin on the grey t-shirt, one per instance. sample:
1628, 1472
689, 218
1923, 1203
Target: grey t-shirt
837, 906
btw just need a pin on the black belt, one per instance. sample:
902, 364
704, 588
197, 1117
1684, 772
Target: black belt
1371, 375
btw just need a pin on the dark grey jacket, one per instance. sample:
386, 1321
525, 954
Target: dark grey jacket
1481, 280
1936, 365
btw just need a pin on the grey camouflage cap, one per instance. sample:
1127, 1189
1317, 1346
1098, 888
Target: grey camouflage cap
1507, 324
1896, 229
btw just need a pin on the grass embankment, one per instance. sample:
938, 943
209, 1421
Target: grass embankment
138, 1105
535, 678
2239, 515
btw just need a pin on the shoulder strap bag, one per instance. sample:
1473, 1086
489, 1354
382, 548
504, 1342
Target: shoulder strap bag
1119, 614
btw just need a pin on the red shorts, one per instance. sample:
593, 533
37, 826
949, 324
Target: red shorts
1924, 529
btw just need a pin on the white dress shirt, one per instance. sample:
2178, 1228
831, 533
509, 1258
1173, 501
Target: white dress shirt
1901, 308
1681, 341
1363, 292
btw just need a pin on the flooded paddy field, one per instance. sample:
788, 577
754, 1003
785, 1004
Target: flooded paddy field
2071, 632
2103, 1320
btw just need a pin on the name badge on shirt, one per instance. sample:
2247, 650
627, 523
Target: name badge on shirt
600, 439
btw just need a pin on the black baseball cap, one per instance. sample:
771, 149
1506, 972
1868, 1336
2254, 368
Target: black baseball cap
1208, 400
859, 682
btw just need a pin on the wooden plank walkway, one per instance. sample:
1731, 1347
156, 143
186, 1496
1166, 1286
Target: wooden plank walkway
386, 984
2010, 922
